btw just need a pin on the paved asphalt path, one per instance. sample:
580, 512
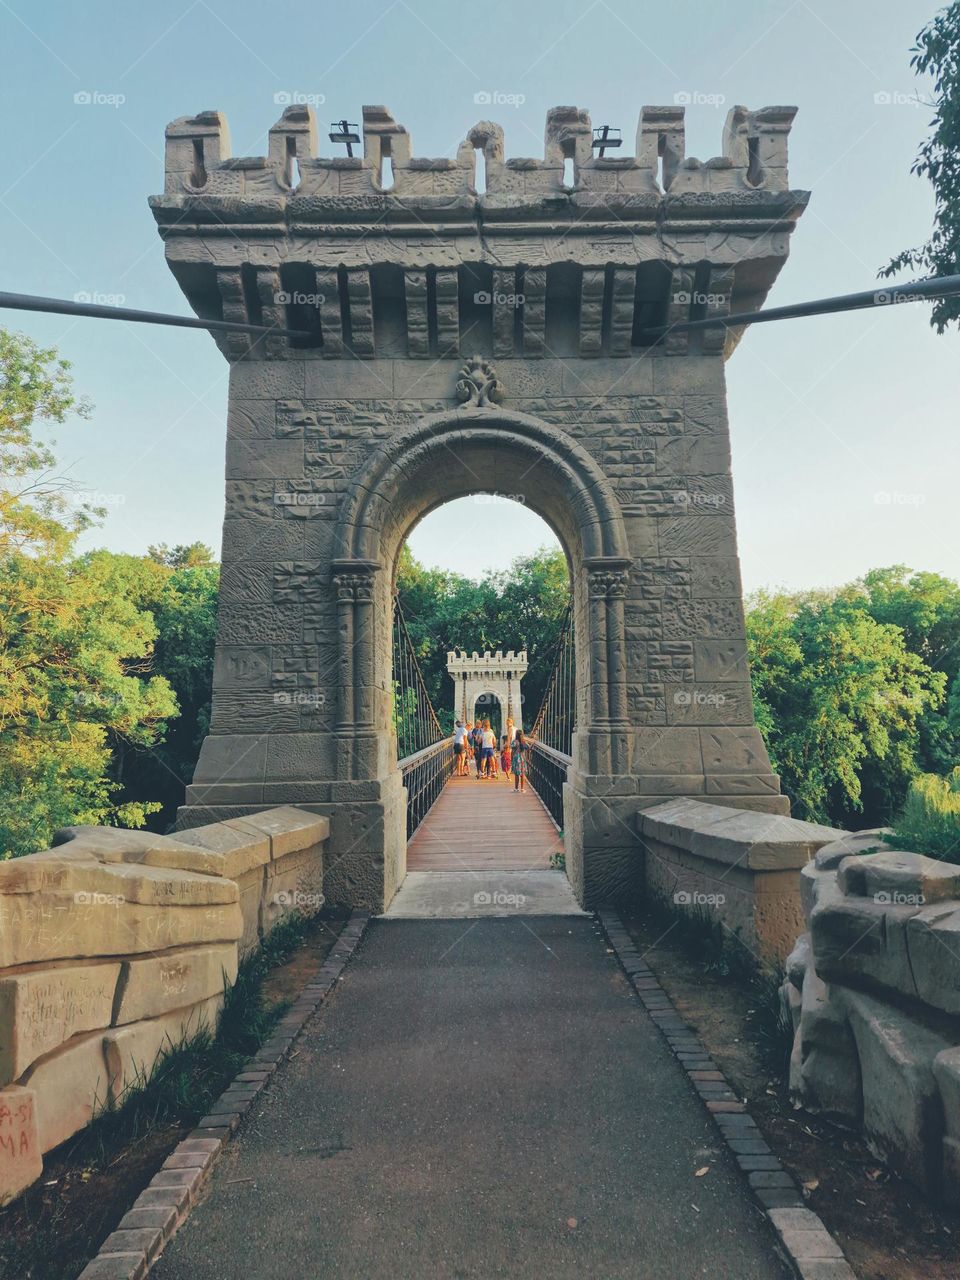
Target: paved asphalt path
477, 1099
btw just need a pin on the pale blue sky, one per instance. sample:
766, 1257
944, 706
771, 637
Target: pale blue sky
827, 415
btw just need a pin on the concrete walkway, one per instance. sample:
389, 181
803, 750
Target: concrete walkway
468, 895
481, 1098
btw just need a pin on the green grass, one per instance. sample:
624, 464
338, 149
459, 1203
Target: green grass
930, 820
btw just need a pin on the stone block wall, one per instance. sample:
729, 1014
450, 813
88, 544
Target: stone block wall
115, 945
738, 866
873, 991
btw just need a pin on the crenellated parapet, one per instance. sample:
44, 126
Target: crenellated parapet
392, 254
479, 664
753, 160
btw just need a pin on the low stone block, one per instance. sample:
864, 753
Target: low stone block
43, 1009
288, 828
65, 908
235, 850
71, 1085
160, 984
21, 1157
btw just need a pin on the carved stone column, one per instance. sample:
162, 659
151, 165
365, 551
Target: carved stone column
608, 580
353, 582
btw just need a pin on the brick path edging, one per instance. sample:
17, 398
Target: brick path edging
130, 1251
810, 1247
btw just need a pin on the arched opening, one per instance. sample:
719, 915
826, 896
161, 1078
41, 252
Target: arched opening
452, 455
487, 706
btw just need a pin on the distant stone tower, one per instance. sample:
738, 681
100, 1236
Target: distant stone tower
487, 675
456, 342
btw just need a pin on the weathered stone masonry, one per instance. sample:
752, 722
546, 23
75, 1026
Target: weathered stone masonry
339, 441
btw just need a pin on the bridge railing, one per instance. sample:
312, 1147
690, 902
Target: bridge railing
552, 732
424, 751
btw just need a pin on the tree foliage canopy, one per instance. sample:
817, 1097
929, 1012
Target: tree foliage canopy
75, 647
937, 55
849, 690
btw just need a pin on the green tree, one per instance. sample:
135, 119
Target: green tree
183, 556
74, 652
839, 696
937, 55
183, 604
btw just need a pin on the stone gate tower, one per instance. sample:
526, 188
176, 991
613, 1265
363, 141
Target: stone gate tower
456, 342
477, 676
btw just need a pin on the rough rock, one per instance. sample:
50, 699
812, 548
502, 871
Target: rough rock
903, 1115
899, 878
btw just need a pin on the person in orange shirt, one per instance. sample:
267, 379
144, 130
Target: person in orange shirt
505, 756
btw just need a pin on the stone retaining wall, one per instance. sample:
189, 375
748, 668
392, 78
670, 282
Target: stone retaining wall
738, 866
116, 944
873, 990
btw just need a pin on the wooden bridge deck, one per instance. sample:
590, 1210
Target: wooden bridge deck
484, 826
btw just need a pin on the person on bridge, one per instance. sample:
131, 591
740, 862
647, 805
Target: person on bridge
459, 749
488, 747
476, 741
518, 760
505, 756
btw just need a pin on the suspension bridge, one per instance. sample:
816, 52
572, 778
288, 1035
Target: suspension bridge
454, 825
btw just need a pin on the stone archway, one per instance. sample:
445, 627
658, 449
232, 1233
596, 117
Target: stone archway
450, 455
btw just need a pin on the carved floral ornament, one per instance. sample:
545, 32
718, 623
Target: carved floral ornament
609, 583
354, 586
478, 384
